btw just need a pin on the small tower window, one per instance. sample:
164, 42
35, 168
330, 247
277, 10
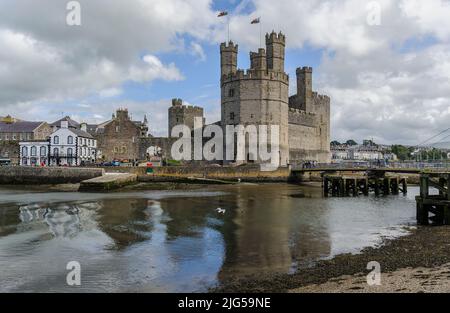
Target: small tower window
231, 93
232, 116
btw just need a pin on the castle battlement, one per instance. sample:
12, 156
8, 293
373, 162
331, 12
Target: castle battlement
177, 104
304, 69
300, 112
229, 46
255, 74
320, 98
274, 37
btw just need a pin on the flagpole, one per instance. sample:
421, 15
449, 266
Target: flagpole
228, 21
260, 34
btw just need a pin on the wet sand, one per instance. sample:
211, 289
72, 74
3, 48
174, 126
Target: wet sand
419, 262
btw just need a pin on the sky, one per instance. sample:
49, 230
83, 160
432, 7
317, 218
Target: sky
385, 64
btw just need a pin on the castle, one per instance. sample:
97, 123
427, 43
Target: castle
257, 96
260, 96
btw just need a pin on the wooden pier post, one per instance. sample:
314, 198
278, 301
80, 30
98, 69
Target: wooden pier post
422, 214
325, 186
386, 186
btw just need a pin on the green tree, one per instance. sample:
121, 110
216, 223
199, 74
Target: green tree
335, 143
401, 152
351, 142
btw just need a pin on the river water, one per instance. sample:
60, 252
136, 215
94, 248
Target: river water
176, 241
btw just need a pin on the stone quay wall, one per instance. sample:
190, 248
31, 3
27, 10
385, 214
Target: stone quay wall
248, 173
20, 175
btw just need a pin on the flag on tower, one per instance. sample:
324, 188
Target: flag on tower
256, 21
223, 13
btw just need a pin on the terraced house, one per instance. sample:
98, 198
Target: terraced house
13, 130
66, 146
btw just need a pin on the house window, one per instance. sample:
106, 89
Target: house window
232, 116
56, 140
124, 149
56, 152
33, 151
231, 93
24, 151
70, 140
43, 151
116, 150
69, 152
117, 129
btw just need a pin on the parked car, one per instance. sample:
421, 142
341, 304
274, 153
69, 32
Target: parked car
5, 162
112, 163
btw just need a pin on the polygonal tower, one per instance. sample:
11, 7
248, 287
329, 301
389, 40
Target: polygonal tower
228, 58
275, 44
259, 95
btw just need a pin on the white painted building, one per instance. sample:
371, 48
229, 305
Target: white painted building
71, 146
34, 152
361, 153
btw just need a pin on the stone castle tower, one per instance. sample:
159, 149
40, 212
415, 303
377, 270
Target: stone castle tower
309, 121
258, 96
180, 114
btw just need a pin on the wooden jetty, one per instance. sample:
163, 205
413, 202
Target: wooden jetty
355, 185
434, 208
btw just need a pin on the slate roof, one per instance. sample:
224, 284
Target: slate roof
19, 127
81, 133
72, 123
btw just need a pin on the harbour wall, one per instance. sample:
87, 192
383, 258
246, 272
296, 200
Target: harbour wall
20, 175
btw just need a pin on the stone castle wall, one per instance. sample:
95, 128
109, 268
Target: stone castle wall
258, 96
180, 114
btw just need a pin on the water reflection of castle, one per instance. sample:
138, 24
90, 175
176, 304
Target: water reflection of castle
264, 230
285, 241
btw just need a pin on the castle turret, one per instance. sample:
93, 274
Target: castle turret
180, 114
304, 88
228, 58
275, 44
258, 61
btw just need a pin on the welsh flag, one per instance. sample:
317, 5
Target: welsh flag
256, 21
223, 13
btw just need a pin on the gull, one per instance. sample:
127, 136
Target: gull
220, 211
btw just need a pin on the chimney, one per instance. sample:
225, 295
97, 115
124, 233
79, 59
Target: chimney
64, 124
83, 127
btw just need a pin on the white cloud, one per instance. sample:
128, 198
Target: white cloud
197, 51
390, 82
110, 92
153, 69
